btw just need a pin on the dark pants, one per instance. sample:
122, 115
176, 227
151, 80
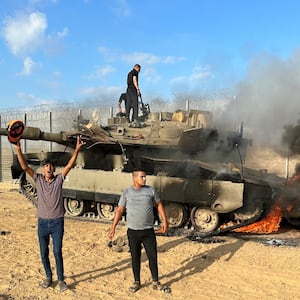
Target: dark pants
136, 239
54, 228
132, 103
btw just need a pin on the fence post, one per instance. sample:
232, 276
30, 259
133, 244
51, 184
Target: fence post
1, 164
50, 125
25, 141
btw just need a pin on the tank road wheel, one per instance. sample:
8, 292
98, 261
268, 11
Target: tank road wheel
74, 207
176, 214
204, 219
106, 211
252, 208
244, 216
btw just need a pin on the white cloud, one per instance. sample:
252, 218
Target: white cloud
29, 99
141, 58
35, 2
25, 32
121, 8
100, 91
28, 67
105, 95
63, 33
101, 72
172, 59
150, 75
178, 79
199, 73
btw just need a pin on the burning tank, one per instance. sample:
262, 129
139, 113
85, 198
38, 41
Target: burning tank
196, 169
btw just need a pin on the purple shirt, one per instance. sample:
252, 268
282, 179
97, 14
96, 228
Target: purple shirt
50, 202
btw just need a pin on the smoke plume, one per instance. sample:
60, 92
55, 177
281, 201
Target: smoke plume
268, 99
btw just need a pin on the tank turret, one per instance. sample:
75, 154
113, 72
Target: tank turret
156, 141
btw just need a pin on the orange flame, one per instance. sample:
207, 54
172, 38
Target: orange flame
269, 224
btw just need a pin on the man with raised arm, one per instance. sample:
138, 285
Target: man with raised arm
50, 211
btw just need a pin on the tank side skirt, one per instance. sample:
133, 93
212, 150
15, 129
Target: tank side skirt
113, 198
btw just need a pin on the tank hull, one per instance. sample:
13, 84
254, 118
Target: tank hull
193, 202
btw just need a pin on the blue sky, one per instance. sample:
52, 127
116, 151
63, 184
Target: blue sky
58, 51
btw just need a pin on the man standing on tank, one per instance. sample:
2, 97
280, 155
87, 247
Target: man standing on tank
133, 91
50, 211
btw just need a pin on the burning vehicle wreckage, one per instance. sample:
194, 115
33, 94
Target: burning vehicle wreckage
197, 170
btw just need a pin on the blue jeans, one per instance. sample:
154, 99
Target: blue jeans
54, 228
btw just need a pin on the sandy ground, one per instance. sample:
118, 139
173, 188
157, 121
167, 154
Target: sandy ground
233, 267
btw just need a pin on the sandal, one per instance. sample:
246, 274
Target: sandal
135, 287
62, 286
46, 283
156, 285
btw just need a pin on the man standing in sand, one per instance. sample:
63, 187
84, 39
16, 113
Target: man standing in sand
50, 211
139, 201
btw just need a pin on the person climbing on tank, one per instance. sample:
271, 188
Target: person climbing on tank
122, 112
139, 201
50, 211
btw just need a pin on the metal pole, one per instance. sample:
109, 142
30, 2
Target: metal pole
187, 105
1, 164
25, 141
79, 118
287, 166
50, 127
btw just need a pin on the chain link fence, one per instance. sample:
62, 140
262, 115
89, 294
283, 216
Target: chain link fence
48, 118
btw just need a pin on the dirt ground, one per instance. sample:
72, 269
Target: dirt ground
232, 267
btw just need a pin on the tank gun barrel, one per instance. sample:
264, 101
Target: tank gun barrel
34, 133
93, 137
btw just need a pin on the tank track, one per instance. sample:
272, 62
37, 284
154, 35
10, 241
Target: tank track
224, 228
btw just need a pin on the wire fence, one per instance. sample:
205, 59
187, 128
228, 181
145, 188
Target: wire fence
48, 118
51, 118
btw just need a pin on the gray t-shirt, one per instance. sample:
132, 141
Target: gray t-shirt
50, 202
139, 204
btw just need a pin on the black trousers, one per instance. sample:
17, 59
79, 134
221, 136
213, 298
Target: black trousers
132, 103
147, 238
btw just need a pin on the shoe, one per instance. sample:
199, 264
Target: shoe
62, 286
156, 285
135, 287
46, 283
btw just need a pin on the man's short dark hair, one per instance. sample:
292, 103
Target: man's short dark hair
47, 161
138, 169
